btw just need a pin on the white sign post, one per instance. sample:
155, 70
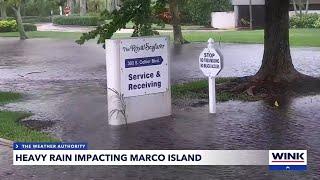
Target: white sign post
210, 63
138, 79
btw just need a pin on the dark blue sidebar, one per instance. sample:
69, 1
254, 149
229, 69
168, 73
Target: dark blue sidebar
49, 146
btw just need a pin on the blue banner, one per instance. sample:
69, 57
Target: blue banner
287, 167
146, 61
49, 146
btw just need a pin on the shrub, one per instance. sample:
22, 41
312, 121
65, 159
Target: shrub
199, 11
8, 26
304, 20
76, 20
29, 27
11, 26
317, 23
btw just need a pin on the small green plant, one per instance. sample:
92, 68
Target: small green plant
244, 22
123, 106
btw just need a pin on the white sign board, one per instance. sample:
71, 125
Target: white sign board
138, 79
144, 66
210, 62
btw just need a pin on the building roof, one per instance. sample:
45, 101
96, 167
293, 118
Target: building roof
261, 2
247, 2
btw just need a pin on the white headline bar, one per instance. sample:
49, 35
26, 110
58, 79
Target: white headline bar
140, 157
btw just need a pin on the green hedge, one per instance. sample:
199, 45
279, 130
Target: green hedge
35, 19
76, 20
29, 27
11, 26
305, 21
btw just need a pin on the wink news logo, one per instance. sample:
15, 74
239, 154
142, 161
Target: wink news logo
288, 159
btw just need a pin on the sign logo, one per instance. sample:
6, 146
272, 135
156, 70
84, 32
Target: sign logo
295, 160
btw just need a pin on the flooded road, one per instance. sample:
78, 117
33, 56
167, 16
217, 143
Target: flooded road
47, 59
65, 83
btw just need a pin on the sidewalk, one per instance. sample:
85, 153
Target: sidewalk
5, 160
66, 28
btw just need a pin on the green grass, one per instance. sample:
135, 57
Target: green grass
298, 37
199, 90
45, 34
255, 36
55, 35
7, 97
12, 129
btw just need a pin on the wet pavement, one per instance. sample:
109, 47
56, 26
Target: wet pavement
64, 82
71, 28
239, 60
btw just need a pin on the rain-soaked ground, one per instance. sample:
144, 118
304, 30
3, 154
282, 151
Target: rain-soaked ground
65, 83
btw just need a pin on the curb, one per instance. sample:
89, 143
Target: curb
6, 142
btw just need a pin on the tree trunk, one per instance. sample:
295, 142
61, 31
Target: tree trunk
83, 7
3, 9
250, 13
300, 7
177, 33
111, 5
21, 31
295, 7
307, 6
277, 63
70, 4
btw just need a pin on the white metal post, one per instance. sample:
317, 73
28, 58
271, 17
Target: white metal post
212, 95
113, 81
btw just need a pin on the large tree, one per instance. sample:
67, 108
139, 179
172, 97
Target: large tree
277, 63
15, 5
83, 7
70, 3
142, 13
112, 5
3, 9
177, 33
